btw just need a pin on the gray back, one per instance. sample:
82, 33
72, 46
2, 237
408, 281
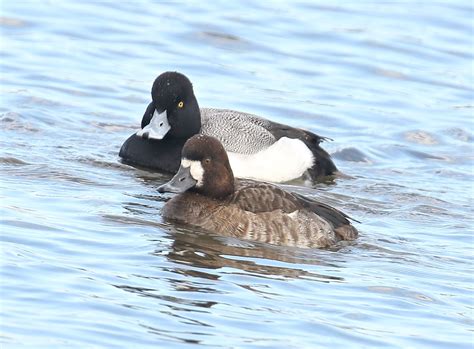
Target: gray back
239, 132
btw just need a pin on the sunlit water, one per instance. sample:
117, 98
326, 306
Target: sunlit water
87, 260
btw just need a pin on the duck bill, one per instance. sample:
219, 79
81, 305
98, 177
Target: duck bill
182, 181
157, 128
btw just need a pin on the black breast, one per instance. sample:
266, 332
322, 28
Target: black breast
163, 155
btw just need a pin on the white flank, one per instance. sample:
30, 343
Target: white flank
196, 170
285, 160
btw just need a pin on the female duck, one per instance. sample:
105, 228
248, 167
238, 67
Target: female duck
213, 200
257, 148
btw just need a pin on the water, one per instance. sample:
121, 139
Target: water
87, 260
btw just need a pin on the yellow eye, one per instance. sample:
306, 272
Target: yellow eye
181, 104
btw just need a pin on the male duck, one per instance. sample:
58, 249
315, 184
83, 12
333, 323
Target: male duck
258, 148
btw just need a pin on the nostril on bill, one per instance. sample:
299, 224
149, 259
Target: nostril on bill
181, 179
161, 124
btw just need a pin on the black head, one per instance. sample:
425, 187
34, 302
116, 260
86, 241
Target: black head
172, 93
204, 169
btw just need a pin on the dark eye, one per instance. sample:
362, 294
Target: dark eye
207, 161
180, 104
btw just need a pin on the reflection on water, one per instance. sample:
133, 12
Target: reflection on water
87, 260
207, 252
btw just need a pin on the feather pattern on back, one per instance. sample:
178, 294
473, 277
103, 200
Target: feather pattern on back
224, 124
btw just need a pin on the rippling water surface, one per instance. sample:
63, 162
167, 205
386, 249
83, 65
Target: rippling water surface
87, 260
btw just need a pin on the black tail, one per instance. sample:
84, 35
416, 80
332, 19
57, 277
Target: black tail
323, 164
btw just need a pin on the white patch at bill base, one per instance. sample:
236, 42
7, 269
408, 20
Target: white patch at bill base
196, 170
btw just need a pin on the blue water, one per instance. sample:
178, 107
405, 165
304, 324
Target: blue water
86, 259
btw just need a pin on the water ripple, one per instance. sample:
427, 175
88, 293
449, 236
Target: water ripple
87, 260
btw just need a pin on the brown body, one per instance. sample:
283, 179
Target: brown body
265, 213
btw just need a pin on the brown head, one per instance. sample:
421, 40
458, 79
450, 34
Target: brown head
204, 169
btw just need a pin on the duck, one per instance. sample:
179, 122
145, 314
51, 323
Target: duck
257, 148
210, 198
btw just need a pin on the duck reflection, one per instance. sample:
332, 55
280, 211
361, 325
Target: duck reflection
210, 252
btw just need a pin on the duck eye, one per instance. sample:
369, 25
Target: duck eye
207, 160
180, 104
